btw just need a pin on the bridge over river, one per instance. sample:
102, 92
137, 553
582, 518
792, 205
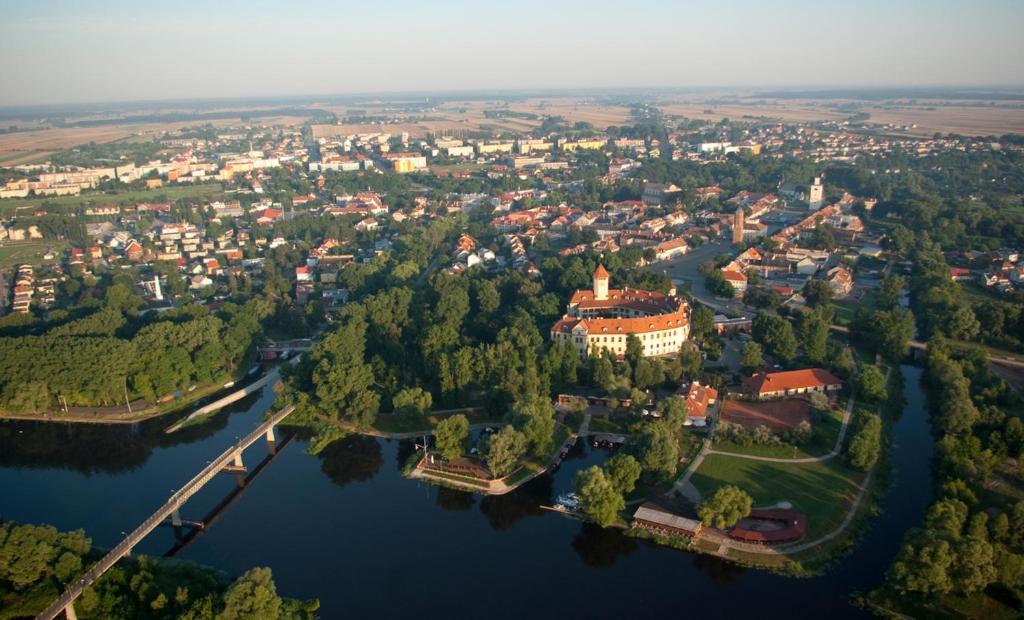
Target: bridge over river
229, 460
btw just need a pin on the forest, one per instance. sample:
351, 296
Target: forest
38, 561
114, 352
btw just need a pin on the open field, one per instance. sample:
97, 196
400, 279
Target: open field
822, 491
789, 112
461, 117
970, 121
31, 252
35, 146
9, 206
574, 110
967, 118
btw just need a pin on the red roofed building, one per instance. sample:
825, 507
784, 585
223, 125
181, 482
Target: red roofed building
268, 216
737, 280
699, 398
604, 318
765, 385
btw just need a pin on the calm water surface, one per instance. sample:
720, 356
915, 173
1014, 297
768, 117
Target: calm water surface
345, 527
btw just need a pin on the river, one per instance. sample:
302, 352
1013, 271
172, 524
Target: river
346, 528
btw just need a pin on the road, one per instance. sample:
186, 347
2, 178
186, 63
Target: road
687, 267
995, 356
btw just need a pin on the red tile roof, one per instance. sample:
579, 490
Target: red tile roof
767, 383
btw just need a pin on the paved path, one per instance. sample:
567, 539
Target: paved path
585, 425
803, 546
270, 378
683, 486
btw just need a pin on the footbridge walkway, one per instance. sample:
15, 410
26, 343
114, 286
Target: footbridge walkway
229, 460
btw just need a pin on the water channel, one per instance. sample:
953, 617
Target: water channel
345, 527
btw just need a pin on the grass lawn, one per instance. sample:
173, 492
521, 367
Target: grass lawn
390, 423
846, 308
443, 475
170, 193
822, 491
18, 252
617, 424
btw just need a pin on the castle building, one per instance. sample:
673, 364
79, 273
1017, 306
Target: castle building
602, 318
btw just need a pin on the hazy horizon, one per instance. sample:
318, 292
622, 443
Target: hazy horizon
59, 52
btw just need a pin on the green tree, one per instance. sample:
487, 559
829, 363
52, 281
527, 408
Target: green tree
634, 350
535, 417
701, 322
726, 507
412, 403
689, 361
892, 330
503, 449
623, 471
674, 412
776, 334
814, 338
450, 436
889, 290
870, 384
866, 444
817, 293
252, 596
751, 356
922, 567
604, 373
657, 450
599, 499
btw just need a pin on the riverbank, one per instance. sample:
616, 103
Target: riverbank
837, 500
140, 411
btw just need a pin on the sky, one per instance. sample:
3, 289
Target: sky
72, 51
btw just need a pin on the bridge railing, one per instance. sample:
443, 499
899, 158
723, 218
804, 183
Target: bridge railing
175, 502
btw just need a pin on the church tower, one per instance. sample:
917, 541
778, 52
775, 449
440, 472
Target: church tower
601, 283
737, 226
816, 200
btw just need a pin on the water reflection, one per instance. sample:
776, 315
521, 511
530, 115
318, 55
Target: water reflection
503, 511
103, 448
602, 547
717, 569
355, 458
452, 500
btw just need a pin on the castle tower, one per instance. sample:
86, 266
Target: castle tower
601, 283
816, 200
737, 226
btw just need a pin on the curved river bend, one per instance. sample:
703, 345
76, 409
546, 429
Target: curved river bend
346, 528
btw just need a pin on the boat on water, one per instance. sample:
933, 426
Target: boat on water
567, 501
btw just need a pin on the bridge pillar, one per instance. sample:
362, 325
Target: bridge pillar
271, 441
176, 518
238, 460
69, 611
